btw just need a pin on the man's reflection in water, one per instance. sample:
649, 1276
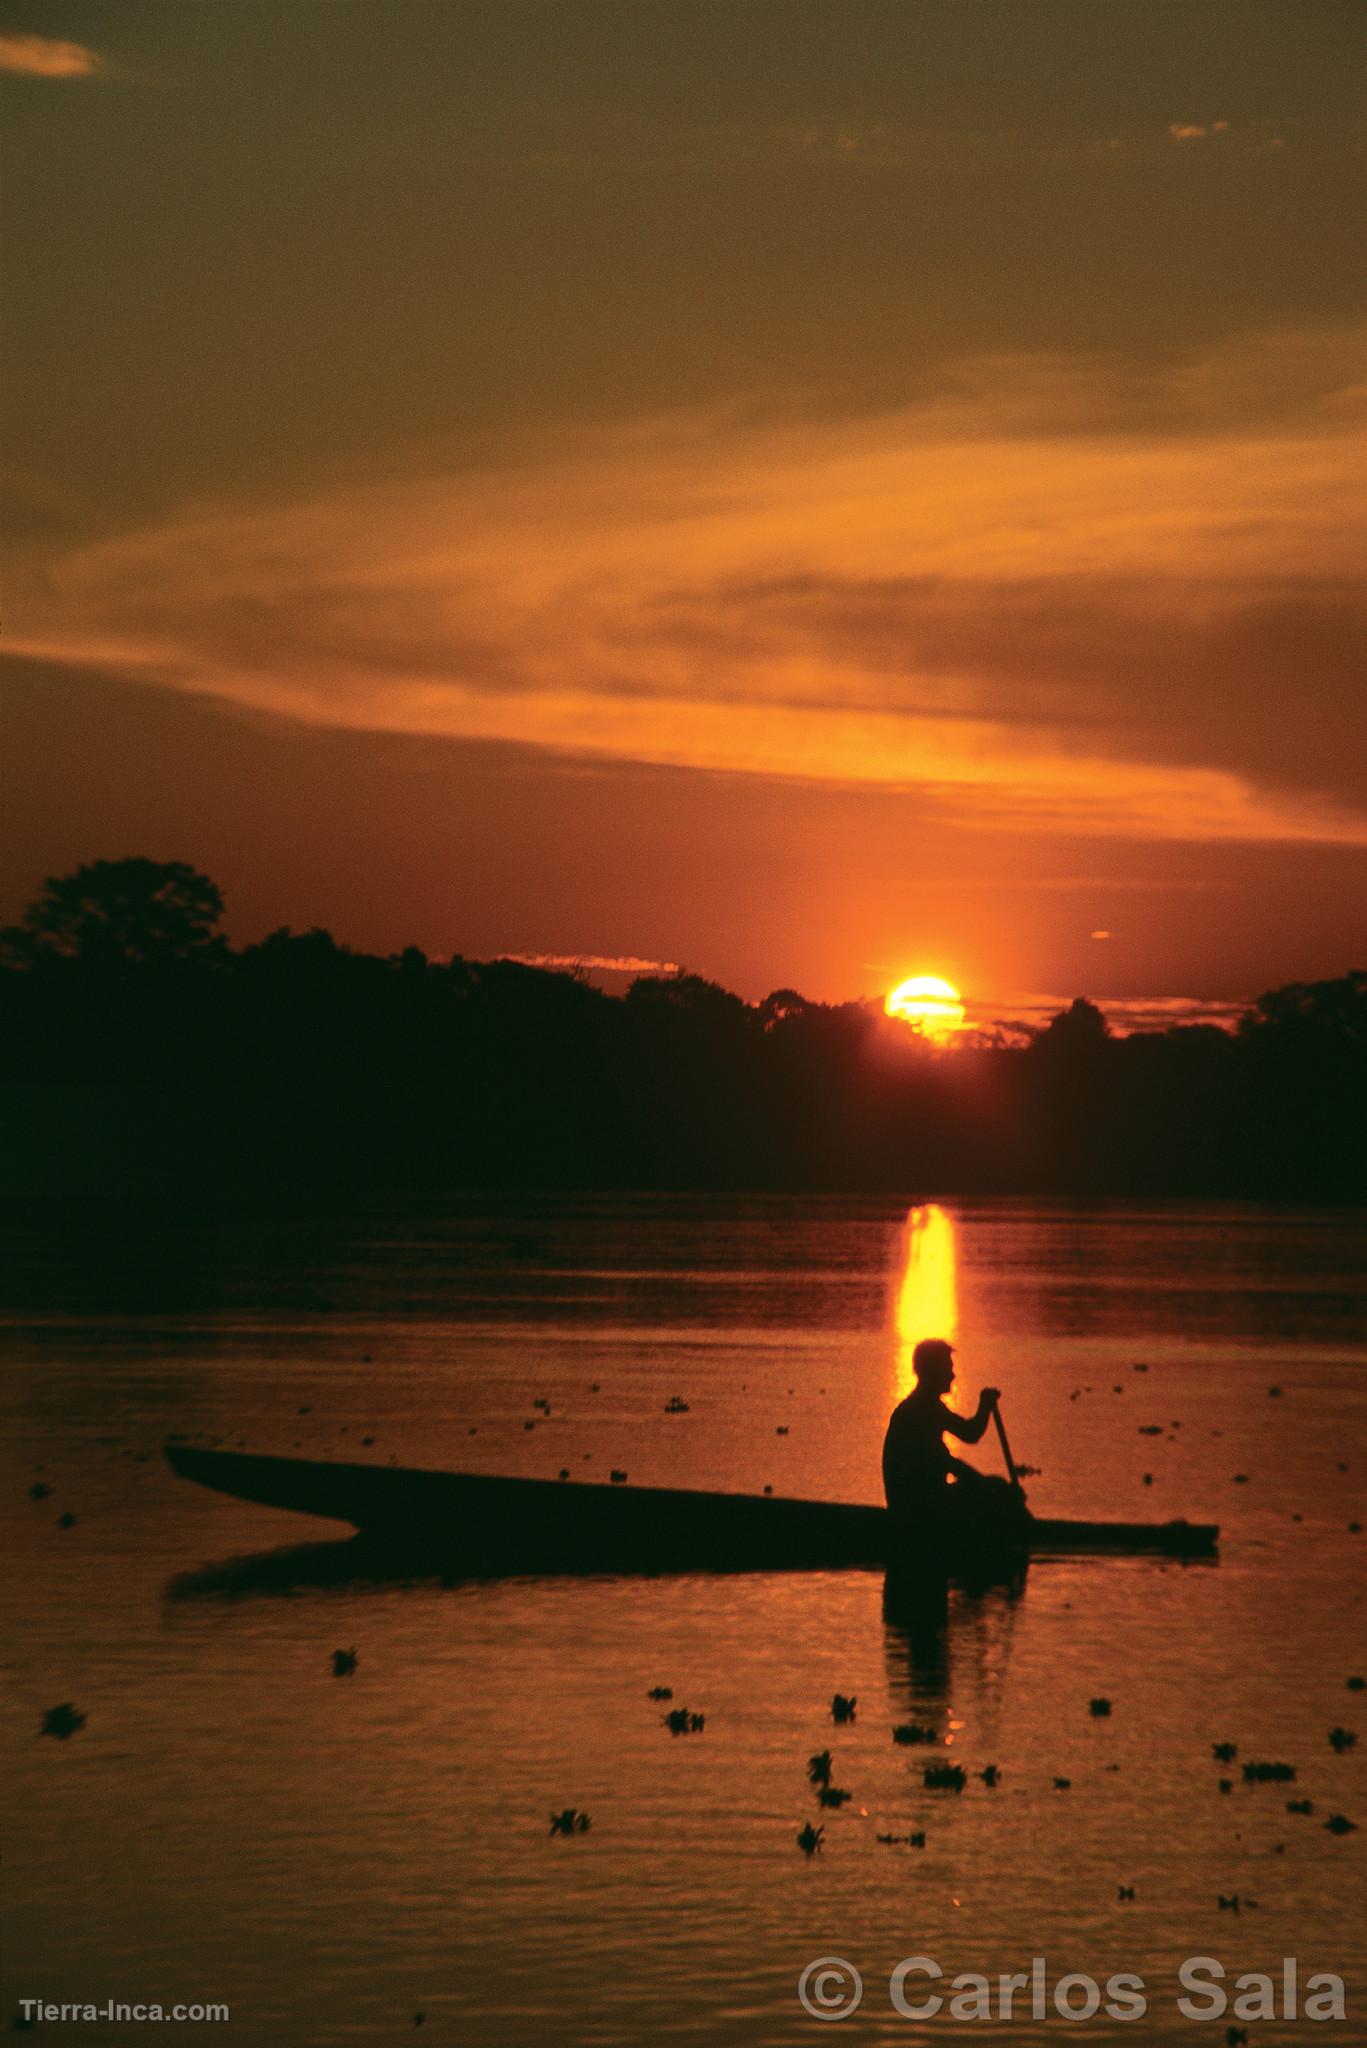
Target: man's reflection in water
941, 1642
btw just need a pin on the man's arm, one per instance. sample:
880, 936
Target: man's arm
971, 1429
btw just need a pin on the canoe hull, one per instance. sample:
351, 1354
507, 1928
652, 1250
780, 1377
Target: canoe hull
482, 1523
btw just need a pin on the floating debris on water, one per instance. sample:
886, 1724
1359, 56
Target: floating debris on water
909, 1732
1265, 1774
1300, 1806
1226, 1784
570, 1821
916, 1841
809, 1839
660, 1692
344, 1662
990, 1775
1099, 1709
1224, 1752
676, 1405
843, 1708
679, 1721
62, 1720
66, 1521
834, 1795
1341, 1739
1339, 1824
819, 1767
617, 1476
1125, 1893
40, 1490
1062, 1784
944, 1777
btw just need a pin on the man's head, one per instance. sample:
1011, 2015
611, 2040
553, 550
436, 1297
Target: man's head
933, 1363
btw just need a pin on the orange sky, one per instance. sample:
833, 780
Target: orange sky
885, 497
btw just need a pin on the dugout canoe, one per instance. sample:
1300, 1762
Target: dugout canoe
481, 1524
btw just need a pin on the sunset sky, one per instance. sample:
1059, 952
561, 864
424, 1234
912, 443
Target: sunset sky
815, 492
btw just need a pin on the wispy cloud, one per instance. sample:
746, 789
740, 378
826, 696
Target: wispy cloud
42, 57
595, 963
1124, 1014
1033, 614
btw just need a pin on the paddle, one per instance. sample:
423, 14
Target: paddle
1006, 1448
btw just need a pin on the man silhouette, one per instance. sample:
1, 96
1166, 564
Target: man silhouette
917, 1465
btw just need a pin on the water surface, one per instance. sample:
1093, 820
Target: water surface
332, 1856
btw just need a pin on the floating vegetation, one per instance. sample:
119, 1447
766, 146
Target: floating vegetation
1099, 1709
1339, 1824
1224, 1752
679, 1721
1226, 1784
66, 1521
62, 1720
843, 1708
570, 1821
782, 1429
944, 1777
676, 1405
1268, 1774
40, 1490
916, 1841
809, 1839
819, 1767
1300, 1806
990, 1775
660, 1692
1062, 1784
1125, 1893
344, 1662
908, 1732
1341, 1739
834, 1795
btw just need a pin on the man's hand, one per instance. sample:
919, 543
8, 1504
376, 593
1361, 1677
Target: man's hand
989, 1397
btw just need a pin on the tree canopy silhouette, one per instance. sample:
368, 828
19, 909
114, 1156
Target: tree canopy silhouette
142, 1058
113, 912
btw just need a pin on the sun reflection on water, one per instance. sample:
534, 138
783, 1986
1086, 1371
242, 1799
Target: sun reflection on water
927, 1295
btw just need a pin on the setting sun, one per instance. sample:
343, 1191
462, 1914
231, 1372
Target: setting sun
928, 1002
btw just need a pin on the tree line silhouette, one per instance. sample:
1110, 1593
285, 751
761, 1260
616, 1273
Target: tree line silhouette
144, 1060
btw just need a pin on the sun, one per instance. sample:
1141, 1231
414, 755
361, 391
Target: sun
929, 1003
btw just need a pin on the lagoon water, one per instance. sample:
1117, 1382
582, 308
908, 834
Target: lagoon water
333, 1856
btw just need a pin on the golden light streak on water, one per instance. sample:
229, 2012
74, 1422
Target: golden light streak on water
928, 1294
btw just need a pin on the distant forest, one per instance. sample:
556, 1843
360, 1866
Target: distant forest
145, 1062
